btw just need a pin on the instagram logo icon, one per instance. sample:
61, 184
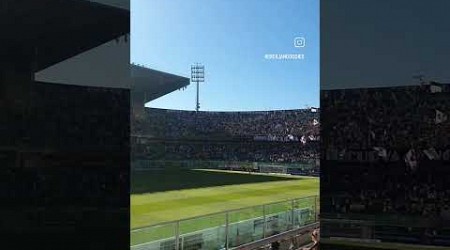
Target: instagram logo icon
299, 42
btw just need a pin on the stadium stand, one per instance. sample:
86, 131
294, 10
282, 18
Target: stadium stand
60, 166
282, 125
73, 123
228, 150
289, 136
388, 163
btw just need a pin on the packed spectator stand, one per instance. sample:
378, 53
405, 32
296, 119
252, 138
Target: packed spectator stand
284, 136
406, 128
389, 117
68, 129
277, 125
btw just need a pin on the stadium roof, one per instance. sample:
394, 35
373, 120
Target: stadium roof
46, 32
153, 83
124, 4
54, 37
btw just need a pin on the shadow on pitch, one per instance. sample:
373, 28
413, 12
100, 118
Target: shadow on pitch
168, 180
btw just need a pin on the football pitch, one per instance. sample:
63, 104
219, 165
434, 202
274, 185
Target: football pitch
168, 195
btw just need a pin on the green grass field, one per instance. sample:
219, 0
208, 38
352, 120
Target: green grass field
162, 196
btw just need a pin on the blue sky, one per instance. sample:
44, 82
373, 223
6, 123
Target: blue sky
383, 43
231, 38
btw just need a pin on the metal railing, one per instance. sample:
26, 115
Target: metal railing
228, 229
386, 228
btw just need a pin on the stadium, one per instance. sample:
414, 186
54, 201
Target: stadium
225, 180
242, 173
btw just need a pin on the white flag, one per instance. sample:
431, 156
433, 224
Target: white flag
303, 139
410, 159
341, 153
435, 88
315, 122
431, 153
382, 152
440, 117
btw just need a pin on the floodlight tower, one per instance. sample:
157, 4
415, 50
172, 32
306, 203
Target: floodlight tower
197, 76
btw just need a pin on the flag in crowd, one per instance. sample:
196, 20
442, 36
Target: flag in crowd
435, 88
411, 160
382, 152
315, 122
431, 153
303, 139
440, 117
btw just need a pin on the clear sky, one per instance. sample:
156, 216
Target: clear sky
380, 43
231, 38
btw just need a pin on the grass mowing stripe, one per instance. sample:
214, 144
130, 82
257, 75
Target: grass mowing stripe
152, 213
176, 194
156, 217
214, 197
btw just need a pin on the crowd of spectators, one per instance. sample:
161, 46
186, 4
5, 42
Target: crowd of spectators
61, 130
76, 117
77, 186
385, 117
405, 206
273, 136
282, 152
279, 125
401, 119
392, 191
